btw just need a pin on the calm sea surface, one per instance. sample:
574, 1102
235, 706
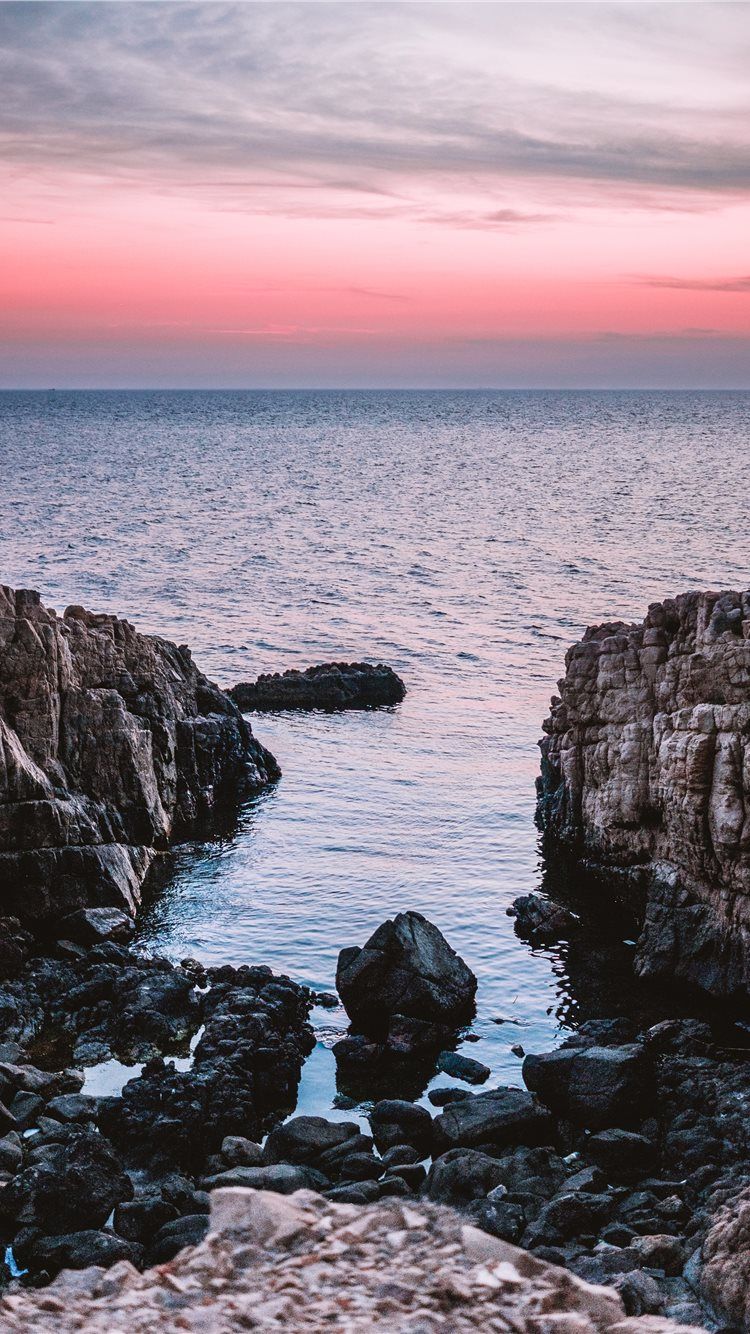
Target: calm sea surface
466, 539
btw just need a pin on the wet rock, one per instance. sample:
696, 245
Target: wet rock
92, 926
443, 1097
395, 1122
540, 921
305, 1138
407, 968
73, 1107
597, 1087
463, 1067
331, 687
500, 1117
111, 744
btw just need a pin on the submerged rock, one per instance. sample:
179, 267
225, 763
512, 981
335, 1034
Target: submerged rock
111, 744
331, 687
406, 968
646, 774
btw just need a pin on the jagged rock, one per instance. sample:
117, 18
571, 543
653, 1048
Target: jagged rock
646, 772
331, 687
92, 926
67, 1185
406, 968
621, 1154
540, 921
596, 1087
111, 744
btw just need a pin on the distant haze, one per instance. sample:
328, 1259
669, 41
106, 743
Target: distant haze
365, 194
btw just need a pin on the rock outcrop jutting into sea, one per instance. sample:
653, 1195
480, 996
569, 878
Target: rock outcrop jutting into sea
111, 744
646, 773
331, 687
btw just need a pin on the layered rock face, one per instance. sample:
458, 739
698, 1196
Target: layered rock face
111, 744
646, 770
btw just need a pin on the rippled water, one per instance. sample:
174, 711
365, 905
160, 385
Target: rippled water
466, 539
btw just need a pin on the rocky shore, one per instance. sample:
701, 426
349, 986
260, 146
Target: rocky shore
623, 1158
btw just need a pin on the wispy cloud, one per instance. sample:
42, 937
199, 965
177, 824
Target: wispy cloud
741, 284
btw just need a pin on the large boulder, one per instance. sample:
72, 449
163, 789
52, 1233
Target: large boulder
645, 781
112, 743
595, 1087
331, 687
406, 968
499, 1118
71, 1184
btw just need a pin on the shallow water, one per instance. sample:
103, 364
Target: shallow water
466, 539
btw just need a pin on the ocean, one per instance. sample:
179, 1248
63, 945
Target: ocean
465, 538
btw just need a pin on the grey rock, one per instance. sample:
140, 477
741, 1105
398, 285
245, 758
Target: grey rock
596, 1087
463, 1067
396, 1122
284, 1178
501, 1117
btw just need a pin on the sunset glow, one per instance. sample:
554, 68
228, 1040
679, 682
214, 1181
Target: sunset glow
339, 194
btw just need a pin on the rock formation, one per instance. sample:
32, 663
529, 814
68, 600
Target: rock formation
111, 744
304, 1263
330, 687
646, 776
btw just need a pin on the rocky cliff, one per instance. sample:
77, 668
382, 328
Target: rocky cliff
111, 744
646, 774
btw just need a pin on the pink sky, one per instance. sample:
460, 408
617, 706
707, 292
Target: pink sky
333, 194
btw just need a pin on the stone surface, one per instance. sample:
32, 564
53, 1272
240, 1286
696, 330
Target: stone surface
308, 1264
594, 1086
646, 773
331, 687
112, 743
501, 1117
406, 968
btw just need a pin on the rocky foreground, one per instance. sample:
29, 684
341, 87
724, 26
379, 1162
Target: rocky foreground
646, 778
302, 1263
112, 743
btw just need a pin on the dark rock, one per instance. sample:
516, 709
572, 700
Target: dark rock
414, 1174
399, 1155
15, 947
359, 1192
463, 1067
622, 1155
25, 1108
240, 1152
588, 1178
70, 1185
73, 1107
139, 1219
395, 1122
640, 1293
461, 1175
283, 1178
360, 1167
305, 1138
540, 921
394, 1186
568, 1215
499, 1218
661, 1252
443, 1097
11, 1152
597, 1087
92, 926
79, 1250
111, 744
175, 1236
501, 1117
331, 687
407, 968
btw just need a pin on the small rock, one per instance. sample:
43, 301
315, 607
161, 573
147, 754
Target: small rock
463, 1067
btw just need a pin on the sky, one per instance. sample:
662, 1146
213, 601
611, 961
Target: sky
374, 194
